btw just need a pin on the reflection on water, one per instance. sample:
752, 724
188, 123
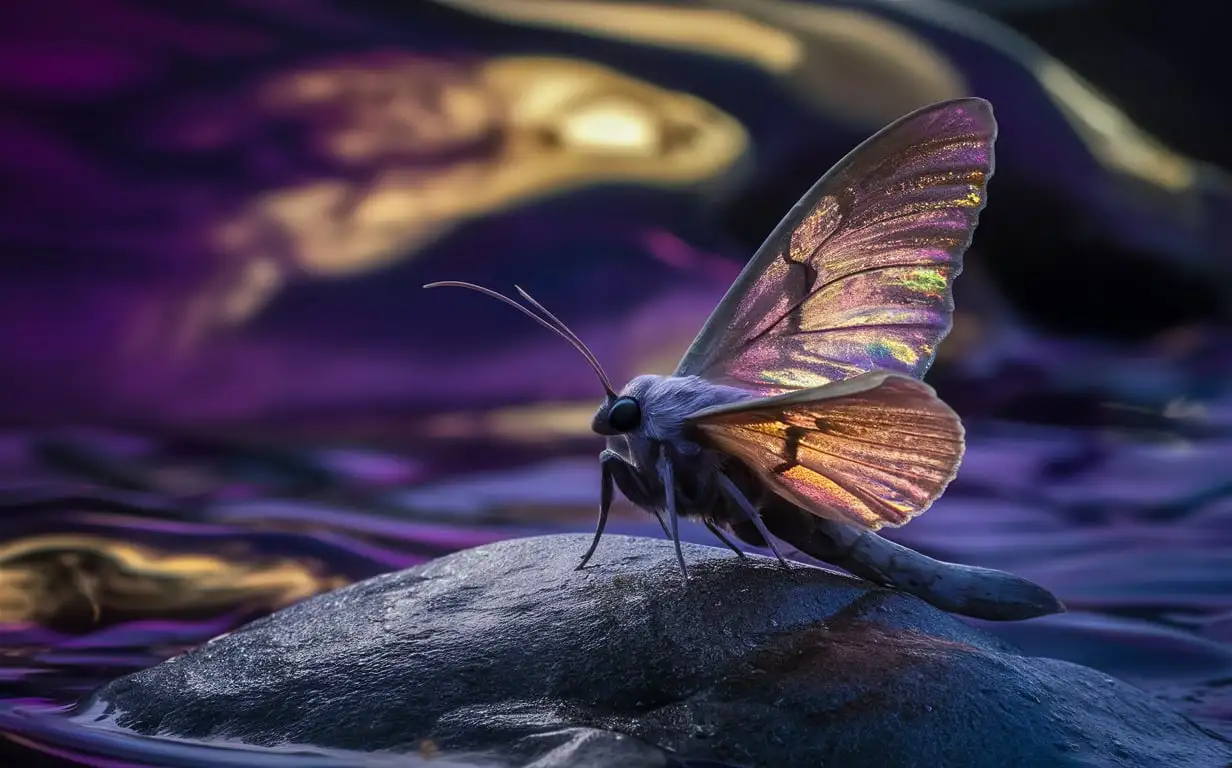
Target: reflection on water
37, 729
97, 581
1133, 535
47, 579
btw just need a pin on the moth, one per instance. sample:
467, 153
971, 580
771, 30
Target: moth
798, 413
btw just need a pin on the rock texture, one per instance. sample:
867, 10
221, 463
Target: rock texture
505, 649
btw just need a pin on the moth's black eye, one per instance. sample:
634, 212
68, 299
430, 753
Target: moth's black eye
625, 415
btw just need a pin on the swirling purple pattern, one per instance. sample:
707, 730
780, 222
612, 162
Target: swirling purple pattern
224, 390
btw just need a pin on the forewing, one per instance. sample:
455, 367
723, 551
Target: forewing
857, 277
874, 450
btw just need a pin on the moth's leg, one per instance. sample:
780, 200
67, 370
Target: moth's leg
669, 490
631, 483
606, 489
750, 512
662, 524
719, 534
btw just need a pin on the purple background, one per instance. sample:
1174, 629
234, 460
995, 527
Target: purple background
224, 390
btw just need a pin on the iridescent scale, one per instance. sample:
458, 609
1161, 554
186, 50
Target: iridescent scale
856, 279
858, 276
875, 450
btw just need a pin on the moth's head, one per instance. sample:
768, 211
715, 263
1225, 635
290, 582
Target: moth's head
620, 414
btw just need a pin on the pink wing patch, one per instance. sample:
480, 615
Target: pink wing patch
858, 276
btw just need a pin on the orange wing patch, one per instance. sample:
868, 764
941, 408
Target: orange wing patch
874, 450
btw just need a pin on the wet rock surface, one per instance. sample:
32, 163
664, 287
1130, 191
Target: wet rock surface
505, 649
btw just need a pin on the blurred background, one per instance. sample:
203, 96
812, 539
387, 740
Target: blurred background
223, 389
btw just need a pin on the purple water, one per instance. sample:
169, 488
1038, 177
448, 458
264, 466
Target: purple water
102, 582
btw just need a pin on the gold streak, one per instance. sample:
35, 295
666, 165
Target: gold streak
541, 422
845, 62
415, 147
1110, 135
42, 577
554, 123
704, 30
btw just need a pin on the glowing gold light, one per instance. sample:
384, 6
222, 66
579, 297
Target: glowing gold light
705, 30
42, 577
850, 63
553, 124
260, 279
573, 122
615, 127
419, 146
541, 422
1109, 133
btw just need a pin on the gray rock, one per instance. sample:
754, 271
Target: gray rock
505, 649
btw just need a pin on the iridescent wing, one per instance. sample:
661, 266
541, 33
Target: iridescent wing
857, 277
873, 450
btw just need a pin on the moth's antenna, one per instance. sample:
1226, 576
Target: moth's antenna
554, 324
566, 330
